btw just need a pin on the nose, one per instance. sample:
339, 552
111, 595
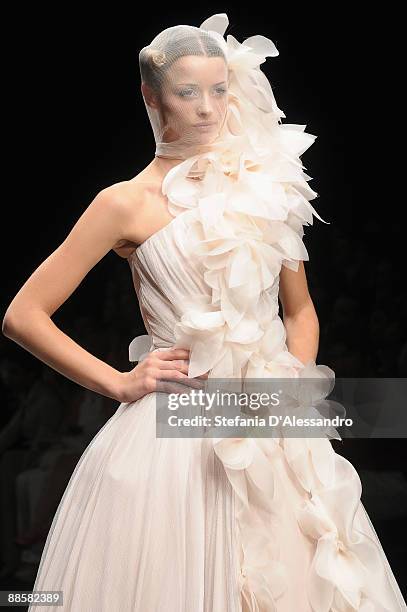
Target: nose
204, 107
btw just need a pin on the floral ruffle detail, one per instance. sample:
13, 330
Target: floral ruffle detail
347, 571
263, 577
246, 223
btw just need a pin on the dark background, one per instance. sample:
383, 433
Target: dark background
76, 123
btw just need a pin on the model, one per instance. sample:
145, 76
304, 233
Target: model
212, 230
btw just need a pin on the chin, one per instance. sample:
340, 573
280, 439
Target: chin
209, 137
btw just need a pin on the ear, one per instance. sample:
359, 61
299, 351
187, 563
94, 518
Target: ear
149, 95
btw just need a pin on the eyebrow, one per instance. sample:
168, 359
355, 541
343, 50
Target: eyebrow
193, 84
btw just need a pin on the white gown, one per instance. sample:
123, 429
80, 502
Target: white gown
151, 524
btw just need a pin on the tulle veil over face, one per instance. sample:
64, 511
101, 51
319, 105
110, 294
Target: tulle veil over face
203, 93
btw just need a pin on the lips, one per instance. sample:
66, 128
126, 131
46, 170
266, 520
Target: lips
203, 124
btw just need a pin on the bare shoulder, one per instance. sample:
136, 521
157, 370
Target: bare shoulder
118, 196
120, 202
127, 197
137, 202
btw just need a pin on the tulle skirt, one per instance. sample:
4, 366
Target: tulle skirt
170, 525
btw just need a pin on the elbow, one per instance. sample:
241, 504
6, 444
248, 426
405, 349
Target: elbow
10, 324
18, 321
14, 320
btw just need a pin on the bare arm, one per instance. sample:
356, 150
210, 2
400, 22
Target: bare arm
300, 317
28, 321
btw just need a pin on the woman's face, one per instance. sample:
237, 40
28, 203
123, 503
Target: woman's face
194, 99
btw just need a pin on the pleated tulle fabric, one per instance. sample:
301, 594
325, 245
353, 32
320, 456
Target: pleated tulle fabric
152, 524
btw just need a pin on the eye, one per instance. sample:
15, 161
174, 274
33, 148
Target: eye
186, 93
221, 90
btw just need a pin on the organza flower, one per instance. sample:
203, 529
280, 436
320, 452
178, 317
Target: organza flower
243, 61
